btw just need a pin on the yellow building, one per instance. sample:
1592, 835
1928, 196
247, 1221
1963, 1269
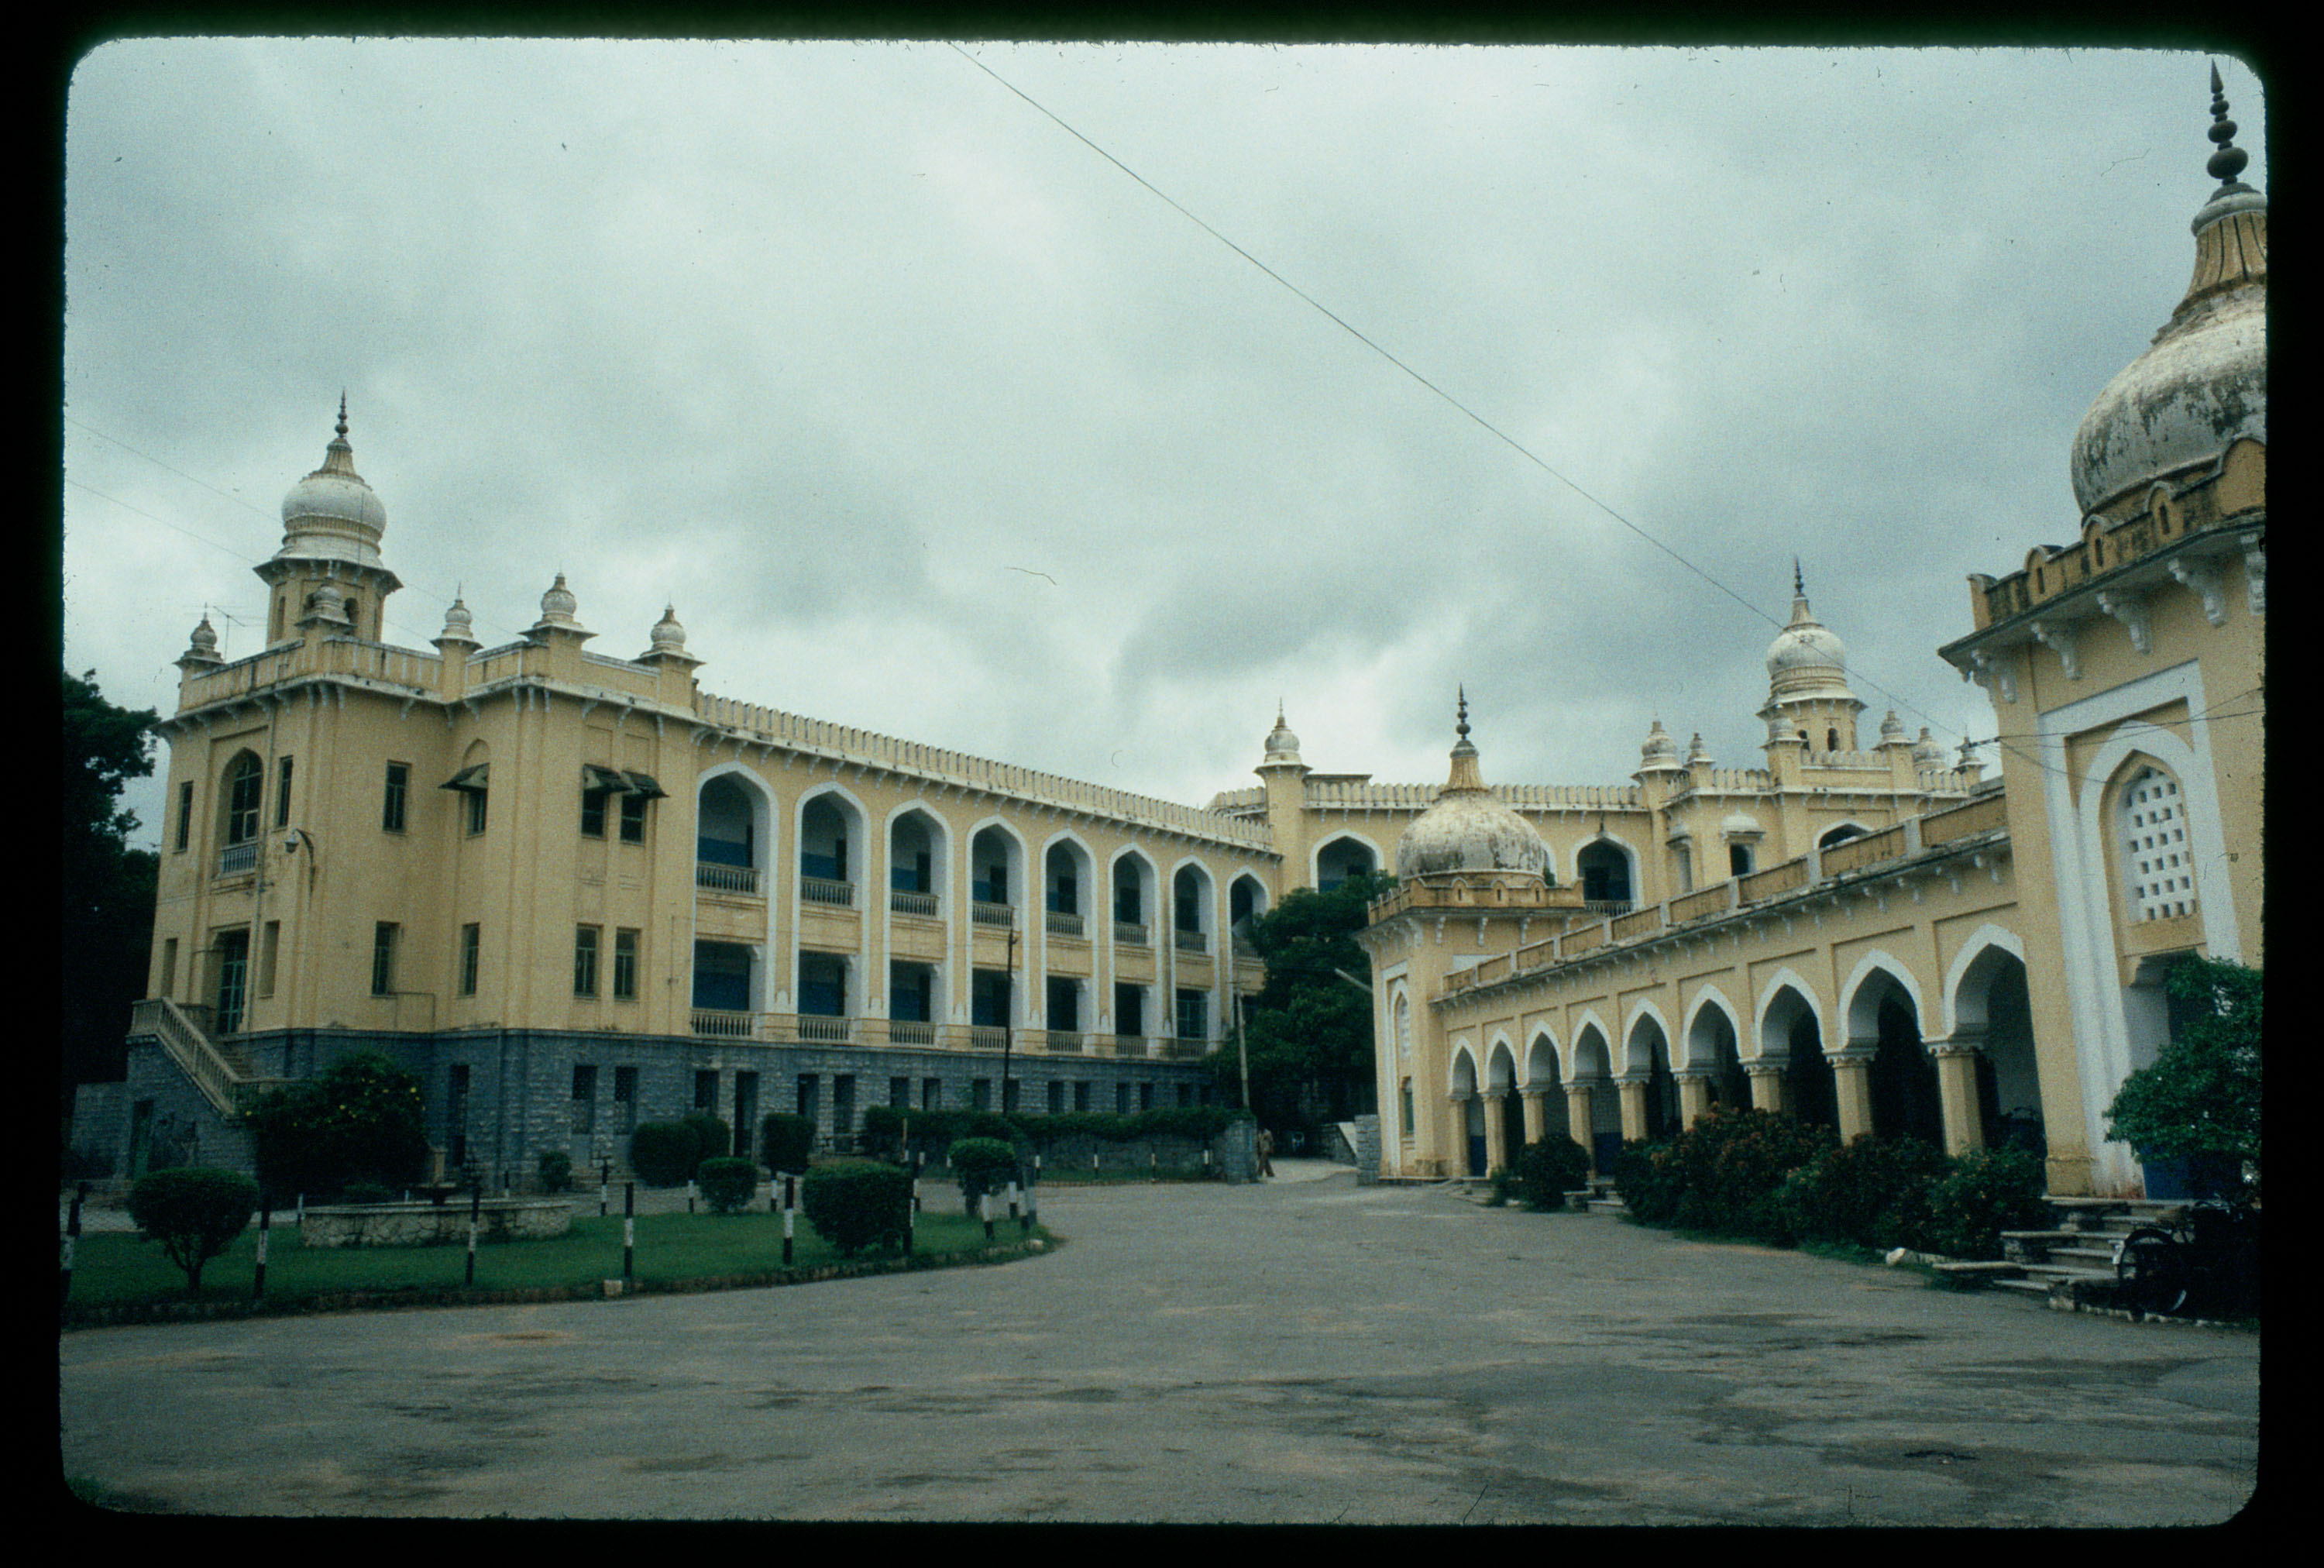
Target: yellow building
575, 891
1987, 963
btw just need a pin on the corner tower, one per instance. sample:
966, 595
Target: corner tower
328, 575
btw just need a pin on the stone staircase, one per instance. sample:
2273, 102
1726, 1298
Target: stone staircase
2072, 1257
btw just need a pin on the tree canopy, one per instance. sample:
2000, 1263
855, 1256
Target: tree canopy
2200, 1096
1309, 1037
107, 886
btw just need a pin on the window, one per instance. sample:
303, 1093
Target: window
585, 959
633, 819
243, 785
169, 967
282, 794
382, 958
1121, 1099
185, 814
2156, 867
399, 793
593, 814
472, 945
625, 1099
899, 1093
269, 944
1739, 860
625, 965
233, 979
585, 1097
1056, 1096
476, 801
931, 1094
1194, 1015
1685, 857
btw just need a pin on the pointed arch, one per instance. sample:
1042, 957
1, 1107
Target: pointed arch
1542, 1066
1771, 1038
1859, 997
1333, 861
1644, 1011
1965, 1012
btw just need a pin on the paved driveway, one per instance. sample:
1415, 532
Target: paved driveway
1297, 1351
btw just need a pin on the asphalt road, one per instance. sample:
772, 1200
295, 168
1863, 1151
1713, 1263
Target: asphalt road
1300, 1352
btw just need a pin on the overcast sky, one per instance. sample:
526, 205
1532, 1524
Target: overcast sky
929, 418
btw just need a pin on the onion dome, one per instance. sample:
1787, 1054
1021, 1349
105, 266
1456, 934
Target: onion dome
1659, 752
667, 635
1697, 753
1781, 730
2203, 383
459, 626
1282, 745
332, 514
1892, 731
202, 646
1926, 751
1806, 660
557, 606
1468, 833
328, 602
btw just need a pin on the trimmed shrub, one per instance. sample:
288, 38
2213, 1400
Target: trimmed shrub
858, 1203
1646, 1179
1987, 1192
1548, 1170
727, 1183
664, 1153
556, 1171
713, 1138
195, 1214
1873, 1192
786, 1142
1725, 1172
983, 1165
1501, 1182
360, 1120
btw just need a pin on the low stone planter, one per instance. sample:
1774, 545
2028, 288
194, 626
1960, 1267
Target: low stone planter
429, 1225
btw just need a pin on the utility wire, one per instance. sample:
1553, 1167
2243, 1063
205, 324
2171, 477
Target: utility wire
1496, 431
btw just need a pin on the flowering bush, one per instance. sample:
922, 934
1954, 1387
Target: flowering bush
358, 1121
1724, 1173
1987, 1193
1872, 1191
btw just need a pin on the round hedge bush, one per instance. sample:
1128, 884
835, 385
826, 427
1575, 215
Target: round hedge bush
858, 1203
664, 1153
1548, 1170
727, 1183
786, 1141
981, 1165
194, 1212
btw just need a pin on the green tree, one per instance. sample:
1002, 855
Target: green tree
2200, 1097
1309, 1038
194, 1214
359, 1120
107, 886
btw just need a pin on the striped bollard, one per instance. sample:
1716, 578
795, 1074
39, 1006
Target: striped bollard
790, 1205
689, 1194
71, 1245
475, 1207
265, 1222
629, 1230
984, 1210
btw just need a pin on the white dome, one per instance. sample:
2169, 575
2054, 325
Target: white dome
1659, 752
2203, 384
1467, 832
667, 635
1807, 659
332, 514
1282, 745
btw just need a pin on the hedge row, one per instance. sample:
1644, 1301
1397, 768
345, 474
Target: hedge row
1761, 1174
931, 1128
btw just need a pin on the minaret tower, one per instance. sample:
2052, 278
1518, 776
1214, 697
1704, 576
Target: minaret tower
1807, 682
328, 579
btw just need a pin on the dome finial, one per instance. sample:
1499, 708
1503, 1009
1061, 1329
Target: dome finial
1461, 721
1799, 581
343, 413
2230, 160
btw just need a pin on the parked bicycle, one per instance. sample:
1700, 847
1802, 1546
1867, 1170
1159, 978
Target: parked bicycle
2202, 1260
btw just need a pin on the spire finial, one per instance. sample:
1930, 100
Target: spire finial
343, 413
1460, 725
2230, 160
1799, 583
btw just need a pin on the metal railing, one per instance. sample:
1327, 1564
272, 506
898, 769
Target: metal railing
236, 859
1192, 941
1129, 934
986, 914
921, 904
1064, 925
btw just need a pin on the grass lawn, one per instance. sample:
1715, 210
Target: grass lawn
114, 1270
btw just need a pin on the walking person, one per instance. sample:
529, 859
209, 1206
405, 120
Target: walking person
1265, 1155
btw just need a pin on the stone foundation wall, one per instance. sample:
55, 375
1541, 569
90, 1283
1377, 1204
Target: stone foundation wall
426, 1224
